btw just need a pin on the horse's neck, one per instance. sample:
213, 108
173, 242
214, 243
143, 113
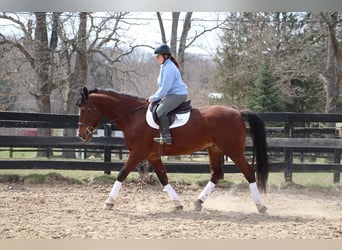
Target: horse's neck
118, 109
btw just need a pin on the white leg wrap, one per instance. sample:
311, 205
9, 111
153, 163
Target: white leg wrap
115, 189
171, 192
255, 193
206, 191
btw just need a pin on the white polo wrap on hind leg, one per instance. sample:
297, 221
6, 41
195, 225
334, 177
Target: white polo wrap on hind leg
255, 193
171, 192
115, 190
206, 191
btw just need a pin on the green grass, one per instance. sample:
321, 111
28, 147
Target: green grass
314, 181
38, 178
19, 153
79, 175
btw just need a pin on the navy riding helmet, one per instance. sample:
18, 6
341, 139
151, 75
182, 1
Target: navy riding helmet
163, 49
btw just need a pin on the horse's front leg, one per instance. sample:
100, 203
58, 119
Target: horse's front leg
132, 161
215, 158
162, 176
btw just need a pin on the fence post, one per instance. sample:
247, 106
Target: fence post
288, 164
11, 152
337, 174
288, 153
107, 149
49, 152
85, 153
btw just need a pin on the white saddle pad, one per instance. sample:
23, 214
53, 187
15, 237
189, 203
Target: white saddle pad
181, 119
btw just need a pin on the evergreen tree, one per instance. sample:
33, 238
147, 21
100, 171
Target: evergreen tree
294, 43
265, 96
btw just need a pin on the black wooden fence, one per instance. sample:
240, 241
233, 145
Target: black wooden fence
296, 142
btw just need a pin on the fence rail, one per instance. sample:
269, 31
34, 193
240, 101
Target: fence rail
295, 138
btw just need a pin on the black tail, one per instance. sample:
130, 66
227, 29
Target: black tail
258, 135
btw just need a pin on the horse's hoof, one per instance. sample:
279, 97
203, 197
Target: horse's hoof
261, 208
179, 208
108, 206
178, 205
198, 205
109, 203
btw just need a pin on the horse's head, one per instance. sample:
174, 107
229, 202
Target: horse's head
89, 116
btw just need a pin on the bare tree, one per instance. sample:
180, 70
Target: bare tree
98, 51
80, 73
111, 53
38, 51
333, 78
185, 40
78, 77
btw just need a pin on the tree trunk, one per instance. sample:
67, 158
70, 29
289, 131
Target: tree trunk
79, 78
42, 66
331, 95
334, 64
174, 31
44, 105
182, 42
161, 26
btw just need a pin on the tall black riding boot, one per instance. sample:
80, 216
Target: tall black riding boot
165, 136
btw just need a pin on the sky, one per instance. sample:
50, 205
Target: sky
150, 33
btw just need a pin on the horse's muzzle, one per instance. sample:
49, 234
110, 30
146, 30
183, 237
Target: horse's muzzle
87, 135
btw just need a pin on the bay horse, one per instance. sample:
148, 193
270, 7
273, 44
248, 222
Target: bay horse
220, 129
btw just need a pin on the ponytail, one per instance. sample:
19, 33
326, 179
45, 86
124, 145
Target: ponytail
173, 59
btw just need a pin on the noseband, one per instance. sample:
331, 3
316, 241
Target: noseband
90, 129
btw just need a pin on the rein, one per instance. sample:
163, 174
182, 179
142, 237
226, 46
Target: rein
129, 113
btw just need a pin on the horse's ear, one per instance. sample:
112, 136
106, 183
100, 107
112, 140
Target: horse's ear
85, 92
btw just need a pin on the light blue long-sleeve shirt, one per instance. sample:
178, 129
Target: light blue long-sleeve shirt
169, 82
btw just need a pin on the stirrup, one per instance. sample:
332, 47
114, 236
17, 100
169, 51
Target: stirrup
163, 140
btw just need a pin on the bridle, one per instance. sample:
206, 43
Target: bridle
90, 129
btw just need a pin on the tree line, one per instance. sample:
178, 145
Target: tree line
281, 61
47, 53
265, 61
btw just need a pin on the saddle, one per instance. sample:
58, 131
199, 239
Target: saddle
185, 107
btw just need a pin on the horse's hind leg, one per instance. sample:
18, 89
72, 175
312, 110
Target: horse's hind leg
248, 172
216, 160
162, 176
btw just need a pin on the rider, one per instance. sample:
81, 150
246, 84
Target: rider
172, 91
